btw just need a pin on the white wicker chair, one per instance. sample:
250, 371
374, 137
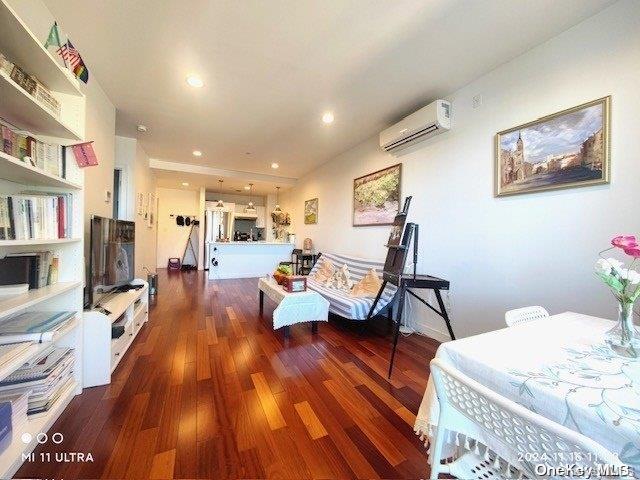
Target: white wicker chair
463, 401
524, 315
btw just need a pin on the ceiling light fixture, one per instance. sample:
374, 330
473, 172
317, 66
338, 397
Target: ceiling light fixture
250, 207
274, 165
185, 184
197, 153
247, 187
277, 208
194, 81
327, 117
220, 203
141, 128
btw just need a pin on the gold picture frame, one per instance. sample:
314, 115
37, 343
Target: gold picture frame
572, 148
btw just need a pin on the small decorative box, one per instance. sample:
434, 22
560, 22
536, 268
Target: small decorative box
295, 283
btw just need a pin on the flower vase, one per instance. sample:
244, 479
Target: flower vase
624, 338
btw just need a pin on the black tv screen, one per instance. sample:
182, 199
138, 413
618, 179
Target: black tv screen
111, 256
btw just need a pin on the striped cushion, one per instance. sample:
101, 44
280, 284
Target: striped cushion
340, 302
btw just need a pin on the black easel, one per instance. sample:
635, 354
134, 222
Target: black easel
394, 273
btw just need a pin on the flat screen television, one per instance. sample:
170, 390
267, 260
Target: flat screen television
111, 260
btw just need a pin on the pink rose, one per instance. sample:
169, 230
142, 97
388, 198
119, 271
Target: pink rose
624, 241
633, 251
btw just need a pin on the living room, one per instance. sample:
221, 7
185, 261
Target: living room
356, 240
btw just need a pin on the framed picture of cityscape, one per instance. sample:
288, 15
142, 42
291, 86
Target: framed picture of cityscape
563, 150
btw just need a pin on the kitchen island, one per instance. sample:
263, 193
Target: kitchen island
246, 259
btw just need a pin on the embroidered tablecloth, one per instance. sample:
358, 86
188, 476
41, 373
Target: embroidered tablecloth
295, 307
559, 367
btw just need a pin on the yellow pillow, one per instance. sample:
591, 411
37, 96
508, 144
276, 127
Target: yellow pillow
368, 286
325, 272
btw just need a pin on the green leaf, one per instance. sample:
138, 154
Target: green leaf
612, 281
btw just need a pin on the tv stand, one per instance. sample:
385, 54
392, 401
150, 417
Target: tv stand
128, 308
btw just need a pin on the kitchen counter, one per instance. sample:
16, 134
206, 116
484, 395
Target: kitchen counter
246, 259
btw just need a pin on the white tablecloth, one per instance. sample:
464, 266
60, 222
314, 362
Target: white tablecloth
559, 367
294, 307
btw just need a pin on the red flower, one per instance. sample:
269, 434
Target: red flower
633, 251
624, 241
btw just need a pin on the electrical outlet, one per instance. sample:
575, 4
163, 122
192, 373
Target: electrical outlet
477, 101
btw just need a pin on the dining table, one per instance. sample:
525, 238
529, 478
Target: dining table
559, 367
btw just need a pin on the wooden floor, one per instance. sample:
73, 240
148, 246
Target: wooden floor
209, 390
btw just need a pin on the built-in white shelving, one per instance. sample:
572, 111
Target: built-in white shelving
11, 458
51, 241
17, 171
20, 46
15, 303
18, 42
22, 110
28, 354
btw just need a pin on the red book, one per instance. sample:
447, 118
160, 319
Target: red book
61, 223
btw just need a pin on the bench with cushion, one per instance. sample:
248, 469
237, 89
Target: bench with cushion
340, 301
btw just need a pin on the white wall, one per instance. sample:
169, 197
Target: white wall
501, 253
172, 239
137, 178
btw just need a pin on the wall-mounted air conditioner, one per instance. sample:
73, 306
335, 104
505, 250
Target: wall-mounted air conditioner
427, 122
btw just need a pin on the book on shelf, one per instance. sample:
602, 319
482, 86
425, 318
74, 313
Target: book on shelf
38, 269
34, 326
43, 379
48, 157
31, 85
36, 216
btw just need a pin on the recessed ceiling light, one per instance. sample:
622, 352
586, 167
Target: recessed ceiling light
195, 81
197, 153
142, 128
274, 165
185, 184
327, 117
247, 187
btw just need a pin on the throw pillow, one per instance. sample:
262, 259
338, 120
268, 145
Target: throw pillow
369, 286
325, 271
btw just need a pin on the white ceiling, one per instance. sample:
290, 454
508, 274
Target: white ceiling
271, 68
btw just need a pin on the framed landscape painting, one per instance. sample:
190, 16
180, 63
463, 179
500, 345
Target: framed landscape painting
563, 150
311, 211
376, 197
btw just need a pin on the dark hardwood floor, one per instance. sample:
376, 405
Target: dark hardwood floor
209, 390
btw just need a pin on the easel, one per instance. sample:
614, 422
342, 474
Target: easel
394, 273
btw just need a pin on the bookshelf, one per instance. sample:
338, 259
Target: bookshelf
17, 171
18, 107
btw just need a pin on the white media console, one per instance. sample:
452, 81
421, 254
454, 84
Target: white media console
102, 354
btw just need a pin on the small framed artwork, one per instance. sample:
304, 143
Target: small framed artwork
140, 203
151, 209
563, 150
376, 197
311, 211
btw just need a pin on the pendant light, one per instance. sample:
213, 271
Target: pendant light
250, 208
220, 203
277, 209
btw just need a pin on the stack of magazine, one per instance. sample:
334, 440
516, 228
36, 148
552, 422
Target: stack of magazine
34, 326
43, 379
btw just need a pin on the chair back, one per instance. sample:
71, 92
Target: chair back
531, 436
524, 315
